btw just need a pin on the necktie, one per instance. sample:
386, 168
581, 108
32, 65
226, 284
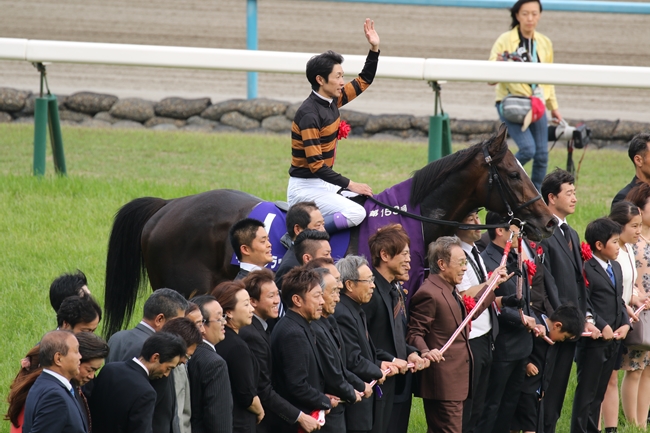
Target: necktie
610, 272
362, 314
567, 235
86, 408
399, 314
477, 260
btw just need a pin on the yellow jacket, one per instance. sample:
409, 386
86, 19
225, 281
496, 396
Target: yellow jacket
509, 41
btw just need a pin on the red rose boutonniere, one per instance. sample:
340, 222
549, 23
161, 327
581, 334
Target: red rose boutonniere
344, 130
470, 303
585, 251
532, 270
540, 251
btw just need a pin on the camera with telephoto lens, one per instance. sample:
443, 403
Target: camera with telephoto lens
580, 135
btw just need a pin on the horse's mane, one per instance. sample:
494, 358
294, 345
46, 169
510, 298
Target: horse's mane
435, 173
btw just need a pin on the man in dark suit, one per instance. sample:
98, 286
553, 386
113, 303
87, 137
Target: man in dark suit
595, 359
265, 298
436, 312
386, 316
210, 392
564, 284
67, 285
638, 153
51, 406
123, 398
514, 343
162, 306
363, 358
251, 244
299, 375
339, 381
301, 216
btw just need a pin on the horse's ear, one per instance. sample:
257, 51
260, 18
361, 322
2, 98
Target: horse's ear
499, 140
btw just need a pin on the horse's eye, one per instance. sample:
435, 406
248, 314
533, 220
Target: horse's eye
514, 175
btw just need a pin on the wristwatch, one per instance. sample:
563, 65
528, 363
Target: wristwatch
590, 320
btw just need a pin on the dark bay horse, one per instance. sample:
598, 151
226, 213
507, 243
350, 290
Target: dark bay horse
183, 243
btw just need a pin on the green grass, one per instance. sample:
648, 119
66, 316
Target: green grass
53, 225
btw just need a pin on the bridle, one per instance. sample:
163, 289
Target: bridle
506, 195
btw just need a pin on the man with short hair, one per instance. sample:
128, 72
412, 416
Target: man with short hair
565, 284
265, 299
162, 305
315, 133
484, 328
251, 244
386, 316
79, 314
363, 358
312, 244
67, 285
211, 397
299, 375
51, 406
301, 216
123, 399
638, 153
514, 343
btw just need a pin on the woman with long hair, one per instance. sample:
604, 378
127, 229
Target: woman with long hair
524, 43
242, 366
635, 388
29, 372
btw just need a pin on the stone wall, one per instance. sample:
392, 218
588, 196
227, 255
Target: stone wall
259, 116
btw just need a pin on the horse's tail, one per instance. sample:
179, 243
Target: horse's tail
125, 268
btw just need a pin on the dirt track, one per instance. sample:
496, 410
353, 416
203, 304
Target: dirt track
315, 26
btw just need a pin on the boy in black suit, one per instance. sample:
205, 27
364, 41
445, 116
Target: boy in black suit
595, 359
565, 323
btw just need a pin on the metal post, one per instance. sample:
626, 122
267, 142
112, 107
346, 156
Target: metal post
439, 128
56, 138
40, 135
251, 44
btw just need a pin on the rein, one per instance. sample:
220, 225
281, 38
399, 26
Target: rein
493, 178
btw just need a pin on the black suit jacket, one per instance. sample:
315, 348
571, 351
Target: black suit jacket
122, 399
241, 274
564, 280
259, 342
289, 261
164, 413
606, 300
514, 342
51, 408
361, 360
243, 372
620, 196
329, 350
298, 376
209, 392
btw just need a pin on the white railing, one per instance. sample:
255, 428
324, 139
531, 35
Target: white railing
287, 62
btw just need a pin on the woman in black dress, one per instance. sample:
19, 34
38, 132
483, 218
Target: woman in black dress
242, 366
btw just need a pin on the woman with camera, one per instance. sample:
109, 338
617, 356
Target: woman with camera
524, 44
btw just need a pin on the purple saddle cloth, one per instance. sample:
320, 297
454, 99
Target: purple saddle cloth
274, 221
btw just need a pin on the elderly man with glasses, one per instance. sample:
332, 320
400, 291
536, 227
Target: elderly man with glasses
362, 358
436, 311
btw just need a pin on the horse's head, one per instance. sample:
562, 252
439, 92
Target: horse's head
509, 190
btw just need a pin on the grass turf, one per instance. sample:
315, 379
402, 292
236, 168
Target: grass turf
53, 225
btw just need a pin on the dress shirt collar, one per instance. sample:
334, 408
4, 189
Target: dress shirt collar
466, 247
561, 221
146, 325
137, 361
248, 267
602, 263
60, 378
265, 325
209, 344
329, 100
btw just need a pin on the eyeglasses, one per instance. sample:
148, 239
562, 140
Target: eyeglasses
462, 262
221, 319
188, 356
369, 280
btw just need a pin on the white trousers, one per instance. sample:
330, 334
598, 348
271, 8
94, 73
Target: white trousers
326, 198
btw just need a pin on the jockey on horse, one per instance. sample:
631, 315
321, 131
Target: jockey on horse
314, 136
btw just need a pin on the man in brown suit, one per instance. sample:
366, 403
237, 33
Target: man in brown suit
436, 312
